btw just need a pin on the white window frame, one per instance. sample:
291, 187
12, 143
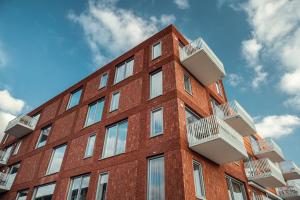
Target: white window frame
87, 145
51, 159
71, 96
202, 187
162, 85
188, 90
103, 86
148, 173
17, 147
89, 108
80, 187
111, 109
229, 181
152, 134
98, 184
39, 186
125, 70
153, 46
18, 193
40, 136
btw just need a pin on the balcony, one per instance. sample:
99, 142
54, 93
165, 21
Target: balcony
264, 172
267, 148
6, 181
261, 197
290, 170
237, 117
21, 126
289, 192
201, 61
216, 140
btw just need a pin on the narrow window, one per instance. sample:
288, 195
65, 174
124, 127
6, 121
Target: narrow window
156, 87
56, 159
236, 189
102, 186
44, 192
6, 154
79, 188
198, 180
95, 112
17, 147
90, 146
12, 173
115, 139
74, 98
187, 84
156, 122
43, 136
114, 105
218, 88
22, 195
156, 179
124, 70
103, 81
156, 50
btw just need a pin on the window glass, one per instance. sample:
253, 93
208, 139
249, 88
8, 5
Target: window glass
36, 117
218, 88
17, 147
43, 136
156, 86
102, 186
90, 146
103, 81
156, 50
44, 192
156, 179
190, 116
79, 188
13, 171
124, 70
22, 195
74, 98
198, 180
56, 160
114, 105
187, 84
156, 122
115, 139
95, 112
236, 189
6, 153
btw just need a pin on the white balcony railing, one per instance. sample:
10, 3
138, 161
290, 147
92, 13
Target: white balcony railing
21, 126
264, 172
260, 197
289, 170
237, 117
289, 192
267, 148
216, 140
202, 62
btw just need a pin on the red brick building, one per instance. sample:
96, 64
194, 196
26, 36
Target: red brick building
153, 124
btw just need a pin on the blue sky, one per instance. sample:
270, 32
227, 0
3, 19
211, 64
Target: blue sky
45, 47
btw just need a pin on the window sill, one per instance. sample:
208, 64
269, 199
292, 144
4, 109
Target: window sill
190, 93
157, 135
156, 58
151, 98
111, 156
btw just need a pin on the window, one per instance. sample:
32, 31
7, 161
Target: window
115, 139
198, 180
22, 195
156, 179
95, 112
156, 50
103, 81
44, 192
190, 116
218, 88
156, 122
74, 98
156, 87
187, 84
90, 146
43, 136
36, 118
4, 139
236, 189
102, 186
79, 188
6, 153
56, 159
17, 147
124, 70
114, 105
12, 173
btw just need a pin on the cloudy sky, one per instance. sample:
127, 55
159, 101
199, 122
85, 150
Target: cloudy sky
47, 47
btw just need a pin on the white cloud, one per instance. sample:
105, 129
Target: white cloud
110, 31
182, 4
235, 79
260, 76
3, 57
277, 125
4, 119
251, 50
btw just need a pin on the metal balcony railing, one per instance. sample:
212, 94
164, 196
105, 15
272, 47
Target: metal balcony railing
208, 133
289, 192
289, 170
267, 148
260, 197
21, 125
237, 117
264, 172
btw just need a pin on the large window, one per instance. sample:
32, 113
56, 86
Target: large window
103, 81
198, 180
56, 159
95, 112
156, 122
90, 146
115, 139
236, 189
79, 188
43, 136
114, 104
124, 70
102, 186
74, 98
22, 195
156, 179
187, 83
44, 192
156, 50
156, 87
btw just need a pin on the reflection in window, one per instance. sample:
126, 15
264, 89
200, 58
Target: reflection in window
190, 116
95, 112
56, 160
102, 186
114, 105
103, 81
236, 189
156, 87
79, 188
22, 195
156, 50
198, 180
90, 146
44, 192
124, 70
74, 98
156, 179
43, 136
156, 122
